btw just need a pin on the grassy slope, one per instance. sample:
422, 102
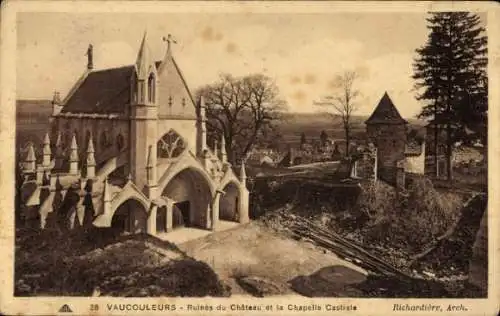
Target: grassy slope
52, 264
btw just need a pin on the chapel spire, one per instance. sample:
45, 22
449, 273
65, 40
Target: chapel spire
46, 151
30, 162
223, 148
73, 156
144, 60
91, 163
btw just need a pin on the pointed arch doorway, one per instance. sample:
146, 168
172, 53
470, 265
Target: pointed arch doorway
190, 199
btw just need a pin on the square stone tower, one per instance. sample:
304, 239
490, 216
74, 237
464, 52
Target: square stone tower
386, 129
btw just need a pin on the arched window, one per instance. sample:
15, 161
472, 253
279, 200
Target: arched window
140, 92
171, 145
104, 139
120, 142
87, 138
66, 139
151, 88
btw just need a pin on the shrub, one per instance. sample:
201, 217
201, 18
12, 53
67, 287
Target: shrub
409, 219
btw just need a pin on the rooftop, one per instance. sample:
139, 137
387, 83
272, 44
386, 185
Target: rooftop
386, 113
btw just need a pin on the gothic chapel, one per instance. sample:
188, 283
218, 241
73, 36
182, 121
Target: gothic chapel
127, 150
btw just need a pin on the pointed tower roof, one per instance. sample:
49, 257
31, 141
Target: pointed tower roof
46, 145
243, 173
73, 142
46, 139
90, 153
31, 153
385, 113
143, 58
73, 156
90, 146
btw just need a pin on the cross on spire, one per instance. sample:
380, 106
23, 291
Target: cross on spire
170, 40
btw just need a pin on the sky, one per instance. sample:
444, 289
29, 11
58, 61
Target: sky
302, 52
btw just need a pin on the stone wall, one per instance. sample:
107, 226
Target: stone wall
366, 164
388, 174
400, 175
430, 166
390, 141
416, 163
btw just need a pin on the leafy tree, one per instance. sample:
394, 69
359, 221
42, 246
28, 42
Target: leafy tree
415, 135
450, 74
343, 102
243, 110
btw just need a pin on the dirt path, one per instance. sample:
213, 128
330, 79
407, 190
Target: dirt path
254, 250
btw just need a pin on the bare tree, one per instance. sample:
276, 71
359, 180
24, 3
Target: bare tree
243, 110
343, 102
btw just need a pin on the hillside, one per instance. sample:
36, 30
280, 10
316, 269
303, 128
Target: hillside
32, 120
294, 124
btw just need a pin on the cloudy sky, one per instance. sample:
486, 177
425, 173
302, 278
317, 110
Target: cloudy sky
303, 52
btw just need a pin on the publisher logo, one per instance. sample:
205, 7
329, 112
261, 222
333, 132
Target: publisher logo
65, 309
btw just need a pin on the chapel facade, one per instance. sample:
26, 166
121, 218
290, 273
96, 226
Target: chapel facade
127, 149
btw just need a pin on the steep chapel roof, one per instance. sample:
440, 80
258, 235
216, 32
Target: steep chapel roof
108, 91
385, 113
102, 92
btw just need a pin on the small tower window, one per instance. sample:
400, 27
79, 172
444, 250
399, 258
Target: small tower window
183, 102
170, 101
151, 88
140, 92
134, 88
